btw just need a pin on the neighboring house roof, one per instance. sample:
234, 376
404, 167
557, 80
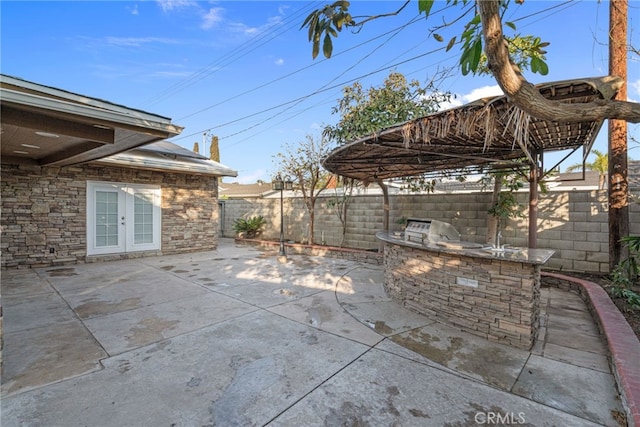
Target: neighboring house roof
233, 189
575, 181
48, 126
167, 156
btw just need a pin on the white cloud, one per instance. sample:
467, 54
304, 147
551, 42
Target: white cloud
482, 92
239, 27
169, 5
170, 74
133, 10
212, 18
279, 61
137, 41
478, 93
251, 177
634, 93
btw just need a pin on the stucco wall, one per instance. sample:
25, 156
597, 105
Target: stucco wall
574, 224
44, 209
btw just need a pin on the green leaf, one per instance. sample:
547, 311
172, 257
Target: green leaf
313, 25
510, 25
316, 49
467, 33
327, 46
477, 53
544, 68
438, 37
337, 22
424, 6
309, 18
464, 62
451, 43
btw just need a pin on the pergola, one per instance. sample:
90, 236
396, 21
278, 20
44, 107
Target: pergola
487, 134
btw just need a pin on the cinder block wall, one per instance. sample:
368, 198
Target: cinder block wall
574, 224
45, 207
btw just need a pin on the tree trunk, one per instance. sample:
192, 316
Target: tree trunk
341, 205
312, 212
526, 96
385, 210
534, 178
618, 179
343, 219
214, 150
493, 221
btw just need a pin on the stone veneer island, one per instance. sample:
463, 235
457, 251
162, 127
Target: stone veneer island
494, 294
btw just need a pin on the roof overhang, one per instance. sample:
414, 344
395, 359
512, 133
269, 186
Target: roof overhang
488, 133
48, 126
164, 156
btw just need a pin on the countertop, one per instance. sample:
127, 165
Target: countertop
474, 250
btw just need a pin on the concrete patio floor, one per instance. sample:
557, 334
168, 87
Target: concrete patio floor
234, 338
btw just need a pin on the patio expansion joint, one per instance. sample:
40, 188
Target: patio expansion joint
329, 378
44, 278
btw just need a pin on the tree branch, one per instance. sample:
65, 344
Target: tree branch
524, 95
384, 15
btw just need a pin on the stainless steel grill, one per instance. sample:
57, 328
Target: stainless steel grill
430, 230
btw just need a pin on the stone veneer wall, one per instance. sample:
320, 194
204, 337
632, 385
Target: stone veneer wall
505, 307
44, 208
574, 223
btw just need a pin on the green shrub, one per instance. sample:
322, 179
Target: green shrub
249, 227
627, 274
632, 298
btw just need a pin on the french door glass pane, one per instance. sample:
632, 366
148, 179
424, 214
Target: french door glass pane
143, 218
106, 218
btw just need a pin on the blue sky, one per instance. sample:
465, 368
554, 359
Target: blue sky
243, 70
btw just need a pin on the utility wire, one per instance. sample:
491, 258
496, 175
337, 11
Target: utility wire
313, 64
413, 21
326, 84
338, 85
252, 44
325, 88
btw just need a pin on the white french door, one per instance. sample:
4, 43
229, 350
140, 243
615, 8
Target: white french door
122, 217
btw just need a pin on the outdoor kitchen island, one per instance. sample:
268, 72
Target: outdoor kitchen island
490, 292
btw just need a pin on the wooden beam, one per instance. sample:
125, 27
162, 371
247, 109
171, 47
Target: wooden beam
63, 155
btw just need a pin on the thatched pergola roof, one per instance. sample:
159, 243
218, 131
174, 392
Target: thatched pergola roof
490, 132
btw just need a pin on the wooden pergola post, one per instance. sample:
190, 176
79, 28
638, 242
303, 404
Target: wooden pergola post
618, 190
534, 179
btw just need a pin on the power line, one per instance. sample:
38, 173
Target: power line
249, 46
393, 32
338, 85
329, 82
313, 64
290, 104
